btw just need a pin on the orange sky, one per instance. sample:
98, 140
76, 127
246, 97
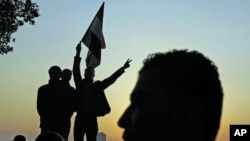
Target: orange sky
132, 29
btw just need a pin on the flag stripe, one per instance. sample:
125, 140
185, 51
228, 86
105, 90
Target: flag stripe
96, 28
94, 59
92, 42
95, 46
87, 38
91, 60
100, 12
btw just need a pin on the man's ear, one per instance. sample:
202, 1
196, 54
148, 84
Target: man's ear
187, 111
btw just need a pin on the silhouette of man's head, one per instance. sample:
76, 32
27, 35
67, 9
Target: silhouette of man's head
178, 96
89, 73
66, 75
55, 73
49, 136
19, 138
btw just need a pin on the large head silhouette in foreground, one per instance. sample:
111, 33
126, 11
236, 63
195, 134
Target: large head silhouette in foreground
178, 96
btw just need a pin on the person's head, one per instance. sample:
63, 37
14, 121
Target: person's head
49, 136
66, 75
19, 138
89, 73
178, 96
55, 72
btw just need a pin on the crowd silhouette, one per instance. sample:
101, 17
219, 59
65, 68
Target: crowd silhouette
57, 100
178, 96
55, 103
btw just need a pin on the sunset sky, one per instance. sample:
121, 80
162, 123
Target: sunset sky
220, 29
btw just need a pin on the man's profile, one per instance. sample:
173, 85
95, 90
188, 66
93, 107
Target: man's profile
178, 96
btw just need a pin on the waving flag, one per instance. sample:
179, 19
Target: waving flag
94, 39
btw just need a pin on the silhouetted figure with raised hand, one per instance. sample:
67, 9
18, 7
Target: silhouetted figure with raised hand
19, 138
53, 105
88, 93
178, 97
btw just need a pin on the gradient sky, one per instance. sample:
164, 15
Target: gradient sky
220, 29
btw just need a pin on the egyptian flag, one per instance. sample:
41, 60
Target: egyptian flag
94, 39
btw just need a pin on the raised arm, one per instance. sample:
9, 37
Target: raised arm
78, 49
76, 66
110, 80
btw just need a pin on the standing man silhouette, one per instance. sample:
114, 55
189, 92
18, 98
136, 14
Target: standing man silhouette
54, 105
69, 98
87, 91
